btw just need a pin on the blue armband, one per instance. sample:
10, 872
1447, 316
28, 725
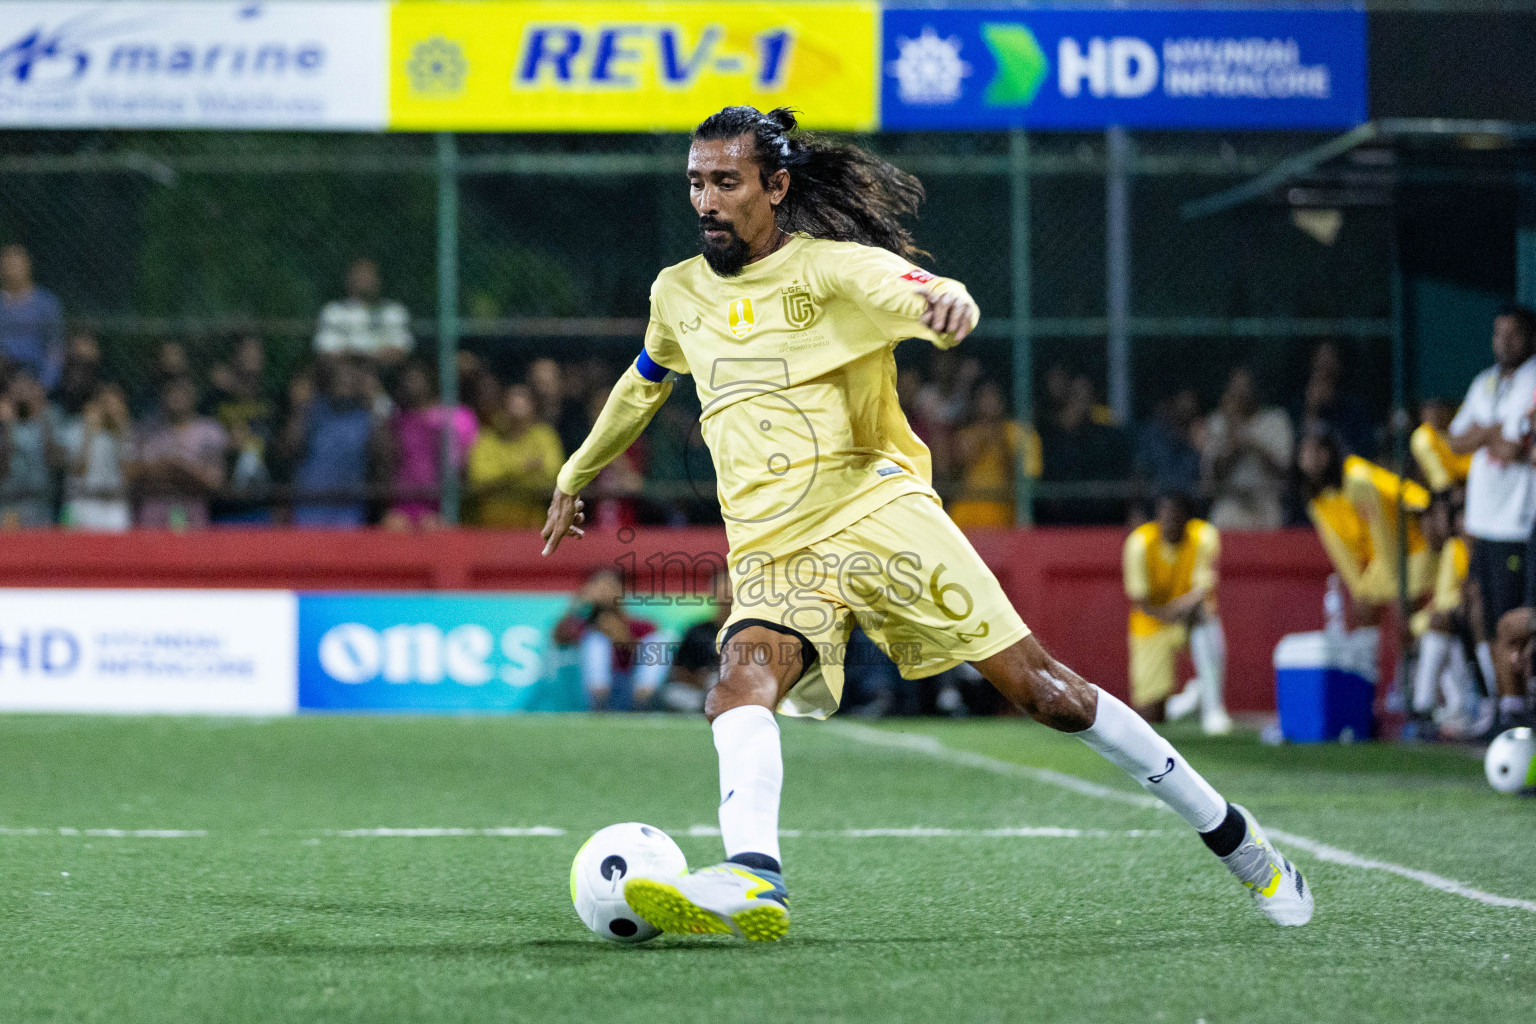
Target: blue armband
649, 368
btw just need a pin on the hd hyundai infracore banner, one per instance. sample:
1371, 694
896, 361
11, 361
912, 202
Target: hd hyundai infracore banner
999, 67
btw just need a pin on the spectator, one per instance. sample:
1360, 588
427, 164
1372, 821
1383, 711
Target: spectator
1327, 403
562, 410
418, 427
512, 466
248, 415
696, 665
29, 427
620, 655
1167, 459
940, 405
1493, 426
909, 385
1075, 448
1442, 469
1247, 458
179, 463
989, 450
1170, 578
337, 444
31, 320
363, 324
97, 446
80, 380
170, 362
1442, 673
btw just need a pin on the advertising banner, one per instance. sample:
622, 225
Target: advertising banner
126, 64
606, 66
991, 68
422, 652
148, 651
426, 652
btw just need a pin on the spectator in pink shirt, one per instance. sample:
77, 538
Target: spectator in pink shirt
418, 434
180, 462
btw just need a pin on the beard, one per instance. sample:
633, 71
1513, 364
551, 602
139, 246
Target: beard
724, 258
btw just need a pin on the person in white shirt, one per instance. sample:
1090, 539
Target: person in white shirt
1494, 423
363, 324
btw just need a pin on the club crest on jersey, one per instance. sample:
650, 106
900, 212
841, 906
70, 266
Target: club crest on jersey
739, 317
799, 309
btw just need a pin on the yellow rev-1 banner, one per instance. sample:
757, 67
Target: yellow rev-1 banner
543, 66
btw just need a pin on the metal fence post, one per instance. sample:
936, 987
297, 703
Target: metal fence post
1023, 347
448, 312
1117, 269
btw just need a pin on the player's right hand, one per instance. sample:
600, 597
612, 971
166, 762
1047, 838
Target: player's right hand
564, 520
949, 314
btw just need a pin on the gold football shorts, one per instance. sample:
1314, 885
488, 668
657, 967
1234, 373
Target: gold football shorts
1153, 659
904, 573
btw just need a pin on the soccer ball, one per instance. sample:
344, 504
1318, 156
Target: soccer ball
1511, 761
605, 862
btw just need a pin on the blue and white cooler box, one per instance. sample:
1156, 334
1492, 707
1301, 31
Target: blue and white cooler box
1325, 686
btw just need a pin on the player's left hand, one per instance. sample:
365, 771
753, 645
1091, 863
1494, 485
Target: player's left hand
948, 314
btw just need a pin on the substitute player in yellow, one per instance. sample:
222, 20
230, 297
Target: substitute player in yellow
787, 323
1170, 579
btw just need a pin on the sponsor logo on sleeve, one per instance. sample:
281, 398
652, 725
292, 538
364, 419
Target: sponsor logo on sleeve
918, 275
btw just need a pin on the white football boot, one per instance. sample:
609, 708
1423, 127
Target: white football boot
1280, 892
726, 899
1184, 703
1215, 722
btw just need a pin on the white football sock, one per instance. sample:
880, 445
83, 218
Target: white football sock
1456, 683
1434, 653
1124, 739
751, 776
1485, 664
1208, 650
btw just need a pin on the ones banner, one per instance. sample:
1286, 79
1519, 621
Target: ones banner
193, 65
544, 66
991, 68
450, 652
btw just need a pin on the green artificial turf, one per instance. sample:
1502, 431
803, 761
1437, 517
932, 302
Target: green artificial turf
272, 916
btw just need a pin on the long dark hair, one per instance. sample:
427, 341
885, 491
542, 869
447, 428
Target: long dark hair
837, 192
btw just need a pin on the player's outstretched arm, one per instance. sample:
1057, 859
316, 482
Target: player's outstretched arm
903, 301
630, 406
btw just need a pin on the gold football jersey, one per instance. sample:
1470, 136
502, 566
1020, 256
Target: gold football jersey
793, 361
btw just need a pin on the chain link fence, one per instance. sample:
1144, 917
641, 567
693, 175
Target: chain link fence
169, 251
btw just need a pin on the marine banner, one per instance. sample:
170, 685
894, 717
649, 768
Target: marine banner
604, 66
126, 64
999, 67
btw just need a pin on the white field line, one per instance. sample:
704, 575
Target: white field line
1334, 855
931, 747
923, 832
438, 833
110, 833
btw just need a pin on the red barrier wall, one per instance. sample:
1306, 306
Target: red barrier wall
1065, 582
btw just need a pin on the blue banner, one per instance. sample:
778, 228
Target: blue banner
450, 652
421, 652
990, 68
